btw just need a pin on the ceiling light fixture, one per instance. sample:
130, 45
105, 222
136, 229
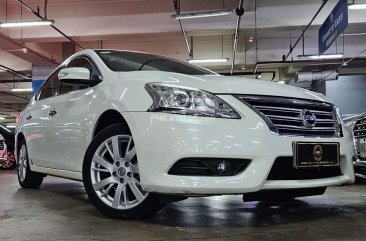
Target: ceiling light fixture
357, 6
205, 14
21, 90
323, 56
26, 23
197, 61
24, 50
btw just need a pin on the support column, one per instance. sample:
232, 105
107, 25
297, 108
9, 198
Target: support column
68, 49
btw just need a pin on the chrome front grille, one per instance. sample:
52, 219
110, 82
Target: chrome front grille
290, 116
359, 131
2, 145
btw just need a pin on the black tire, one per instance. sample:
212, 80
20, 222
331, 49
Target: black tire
147, 208
31, 179
360, 180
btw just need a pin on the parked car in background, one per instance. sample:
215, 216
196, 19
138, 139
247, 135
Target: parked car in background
350, 120
137, 128
359, 132
7, 143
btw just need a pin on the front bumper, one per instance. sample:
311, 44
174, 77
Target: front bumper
163, 139
360, 168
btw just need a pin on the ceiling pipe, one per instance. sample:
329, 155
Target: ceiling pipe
10, 44
251, 73
6, 114
239, 11
308, 62
18, 96
177, 10
309, 76
190, 52
284, 57
10, 108
21, 97
9, 80
15, 73
45, 18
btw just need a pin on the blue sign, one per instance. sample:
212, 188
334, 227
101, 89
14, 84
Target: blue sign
36, 84
335, 24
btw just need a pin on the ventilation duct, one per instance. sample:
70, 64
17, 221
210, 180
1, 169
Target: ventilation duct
309, 76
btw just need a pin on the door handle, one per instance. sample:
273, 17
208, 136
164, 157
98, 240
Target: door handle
52, 112
29, 116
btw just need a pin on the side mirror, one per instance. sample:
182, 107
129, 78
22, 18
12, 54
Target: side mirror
76, 76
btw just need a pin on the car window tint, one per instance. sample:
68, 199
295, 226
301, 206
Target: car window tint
51, 87
134, 61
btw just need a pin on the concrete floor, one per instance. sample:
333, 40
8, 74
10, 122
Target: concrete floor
60, 210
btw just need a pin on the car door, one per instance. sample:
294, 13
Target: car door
37, 120
70, 121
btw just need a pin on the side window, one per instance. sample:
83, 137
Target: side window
79, 62
51, 86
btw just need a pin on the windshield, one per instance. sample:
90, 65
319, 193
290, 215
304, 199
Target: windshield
134, 61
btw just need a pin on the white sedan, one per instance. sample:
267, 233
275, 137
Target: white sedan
141, 129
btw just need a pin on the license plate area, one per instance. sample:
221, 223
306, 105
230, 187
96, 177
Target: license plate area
313, 154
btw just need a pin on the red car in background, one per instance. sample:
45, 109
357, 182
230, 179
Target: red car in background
7, 141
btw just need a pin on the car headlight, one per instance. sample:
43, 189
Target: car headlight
186, 101
339, 122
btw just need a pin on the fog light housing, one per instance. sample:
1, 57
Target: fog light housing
209, 167
222, 167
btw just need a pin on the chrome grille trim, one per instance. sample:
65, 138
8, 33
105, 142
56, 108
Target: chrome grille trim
359, 131
2, 146
284, 116
290, 110
304, 128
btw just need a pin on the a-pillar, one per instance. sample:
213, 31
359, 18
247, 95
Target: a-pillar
39, 75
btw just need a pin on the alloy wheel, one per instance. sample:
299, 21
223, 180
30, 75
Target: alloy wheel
22, 163
114, 173
9, 161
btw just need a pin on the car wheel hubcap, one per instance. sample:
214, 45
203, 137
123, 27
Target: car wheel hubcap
9, 162
23, 162
115, 173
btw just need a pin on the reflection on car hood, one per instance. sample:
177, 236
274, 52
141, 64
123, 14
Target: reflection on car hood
225, 85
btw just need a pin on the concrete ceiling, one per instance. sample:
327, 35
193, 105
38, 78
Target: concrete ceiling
146, 25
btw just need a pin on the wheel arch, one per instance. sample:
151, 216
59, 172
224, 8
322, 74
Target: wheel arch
19, 137
108, 118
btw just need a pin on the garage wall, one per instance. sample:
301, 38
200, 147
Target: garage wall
349, 93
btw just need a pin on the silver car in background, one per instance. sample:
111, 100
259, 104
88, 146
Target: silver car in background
359, 132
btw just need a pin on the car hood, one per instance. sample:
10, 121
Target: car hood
219, 84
